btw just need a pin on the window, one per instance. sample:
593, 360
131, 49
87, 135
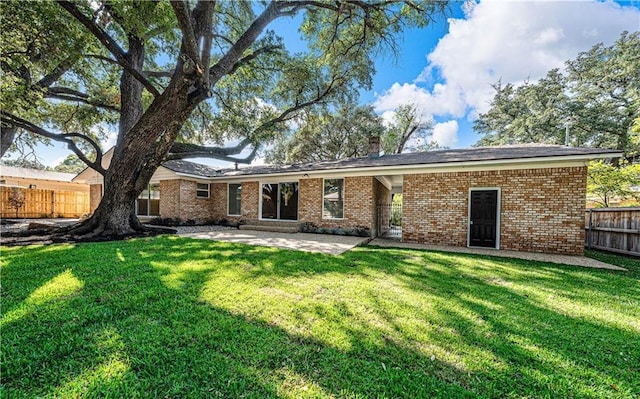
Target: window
202, 191
235, 199
148, 203
333, 199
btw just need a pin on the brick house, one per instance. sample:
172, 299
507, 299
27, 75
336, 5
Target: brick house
524, 198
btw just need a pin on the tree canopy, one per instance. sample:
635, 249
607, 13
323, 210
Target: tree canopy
328, 135
597, 95
345, 133
606, 182
180, 79
71, 164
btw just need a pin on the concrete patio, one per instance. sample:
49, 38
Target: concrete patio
323, 243
582, 261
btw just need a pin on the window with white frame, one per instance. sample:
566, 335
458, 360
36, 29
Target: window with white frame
235, 199
202, 190
333, 199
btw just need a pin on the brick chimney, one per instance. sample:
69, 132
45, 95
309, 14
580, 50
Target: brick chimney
374, 146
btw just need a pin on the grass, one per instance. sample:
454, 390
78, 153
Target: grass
176, 317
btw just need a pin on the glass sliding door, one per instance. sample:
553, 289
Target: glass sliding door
288, 201
280, 201
269, 201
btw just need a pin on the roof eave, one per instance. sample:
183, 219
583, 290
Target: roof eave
389, 169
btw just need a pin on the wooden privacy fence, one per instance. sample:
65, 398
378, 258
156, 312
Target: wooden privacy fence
37, 203
614, 229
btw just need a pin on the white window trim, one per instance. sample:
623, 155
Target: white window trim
228, 194
200, 190
498, 214
344, 202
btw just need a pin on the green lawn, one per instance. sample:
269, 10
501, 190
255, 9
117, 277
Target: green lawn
176, 317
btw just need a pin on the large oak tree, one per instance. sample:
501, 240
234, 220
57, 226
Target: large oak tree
180, 78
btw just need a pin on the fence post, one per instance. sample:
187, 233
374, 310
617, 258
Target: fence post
53, 204
589, 238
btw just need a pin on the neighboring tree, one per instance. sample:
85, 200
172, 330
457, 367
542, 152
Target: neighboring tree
329, 135
16, 199
408, 125
345, 133
598, 95
178, 76
24, 163
606, 182
71, 164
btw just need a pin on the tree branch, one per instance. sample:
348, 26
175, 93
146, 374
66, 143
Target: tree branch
186, 150
62, 137
57, 72
102, 58
226, 63
64, 93
109, 43
248, 58
158, 74
189, 42
205, 28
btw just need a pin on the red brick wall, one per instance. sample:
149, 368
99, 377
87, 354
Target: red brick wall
358, 203
219, 200
178, 200
542, 210
250, 198
95, 195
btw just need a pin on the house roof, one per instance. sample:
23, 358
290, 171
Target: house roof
191, 168
440, 157
27, 173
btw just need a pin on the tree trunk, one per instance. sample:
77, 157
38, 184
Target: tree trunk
135, 159
115, 216
7, 134
144, 139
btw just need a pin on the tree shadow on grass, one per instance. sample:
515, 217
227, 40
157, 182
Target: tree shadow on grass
157, 318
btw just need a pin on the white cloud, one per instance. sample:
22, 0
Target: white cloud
437, 102
508, 41
388, 117
446, 133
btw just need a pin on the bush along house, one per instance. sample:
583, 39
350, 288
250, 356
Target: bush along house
522, 198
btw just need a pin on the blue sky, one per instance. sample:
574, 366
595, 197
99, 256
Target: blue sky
447, 68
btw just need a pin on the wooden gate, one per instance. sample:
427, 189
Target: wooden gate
21, 203
613, 229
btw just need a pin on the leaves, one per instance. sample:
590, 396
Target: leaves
606, 182
597, 95
329, 135
344, 133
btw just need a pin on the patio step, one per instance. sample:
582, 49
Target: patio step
273, 228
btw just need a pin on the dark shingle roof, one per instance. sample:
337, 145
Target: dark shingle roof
416, 158
191, 168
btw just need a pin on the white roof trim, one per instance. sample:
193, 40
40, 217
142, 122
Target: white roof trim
385, 182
